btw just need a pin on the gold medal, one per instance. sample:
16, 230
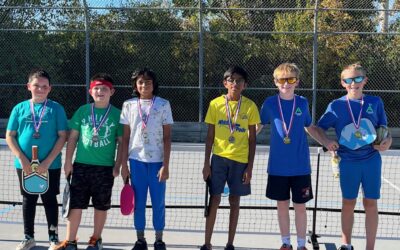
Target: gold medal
95, 138
358, 134
286, 140
231, 139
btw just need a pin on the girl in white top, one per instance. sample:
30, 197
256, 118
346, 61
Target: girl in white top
147, 121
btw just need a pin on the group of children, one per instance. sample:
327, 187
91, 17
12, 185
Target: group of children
141, 134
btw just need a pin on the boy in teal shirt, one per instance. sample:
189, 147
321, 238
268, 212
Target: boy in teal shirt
41, 122
95, 133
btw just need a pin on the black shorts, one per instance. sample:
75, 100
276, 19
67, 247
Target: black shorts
279, 187
54, 182
91, 181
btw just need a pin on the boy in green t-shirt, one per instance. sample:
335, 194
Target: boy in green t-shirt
232, 120
95, 132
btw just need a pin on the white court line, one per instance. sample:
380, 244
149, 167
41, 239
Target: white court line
391, 184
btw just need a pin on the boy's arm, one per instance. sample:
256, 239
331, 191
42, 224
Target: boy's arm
252, 150
71, 145
319, 135
13, 145
209, 144
125, 151
163, 174
118, 160
259, 127
45, 164
385, 143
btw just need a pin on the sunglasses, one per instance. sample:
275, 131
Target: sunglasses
357, 79
290, 80
238, 81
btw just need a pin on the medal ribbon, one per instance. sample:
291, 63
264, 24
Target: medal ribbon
285, 129
97, 128
37, 125
146, 119
356, 125
231, 124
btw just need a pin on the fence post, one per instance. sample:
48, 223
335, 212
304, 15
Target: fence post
87, 52
315, 61
313, 236
201, 62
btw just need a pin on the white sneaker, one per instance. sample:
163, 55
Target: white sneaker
53, 245
26, 244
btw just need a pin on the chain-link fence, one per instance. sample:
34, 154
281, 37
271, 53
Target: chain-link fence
189, 44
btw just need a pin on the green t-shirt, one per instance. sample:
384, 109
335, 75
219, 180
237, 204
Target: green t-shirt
102, 151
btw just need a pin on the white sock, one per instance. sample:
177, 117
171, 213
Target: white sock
301, 242
286, 240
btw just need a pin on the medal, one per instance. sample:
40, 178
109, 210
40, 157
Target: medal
37, 125
232, 124
286, 130
286, 140
357, 124
95, 136
145, 117
36, 135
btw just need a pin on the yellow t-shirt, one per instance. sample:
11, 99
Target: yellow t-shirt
216, 115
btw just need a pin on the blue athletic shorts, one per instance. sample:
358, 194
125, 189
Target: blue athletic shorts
228, 171
367, 173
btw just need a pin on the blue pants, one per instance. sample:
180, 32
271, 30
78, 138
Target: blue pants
143, 178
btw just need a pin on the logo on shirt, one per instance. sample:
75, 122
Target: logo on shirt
369, 109
244, 117
298, 111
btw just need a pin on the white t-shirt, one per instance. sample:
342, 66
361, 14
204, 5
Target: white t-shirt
146, 144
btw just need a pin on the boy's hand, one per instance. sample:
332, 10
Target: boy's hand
116, 171
206, 171
43, 167
163, 174
331, 145
384, 145
26, 166
247, 175
125, 171
67, 169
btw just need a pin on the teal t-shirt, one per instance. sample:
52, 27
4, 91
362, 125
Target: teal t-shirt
54, 120
101, 152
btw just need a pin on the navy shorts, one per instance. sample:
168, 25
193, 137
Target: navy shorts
279, 187
91, 181
228, 171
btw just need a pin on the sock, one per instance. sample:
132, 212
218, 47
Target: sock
348, 246
301, 242
140, 235
159, 235
286, 240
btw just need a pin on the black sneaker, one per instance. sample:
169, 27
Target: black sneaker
343, 247
140, 245
229, 247
159, 245
205, 247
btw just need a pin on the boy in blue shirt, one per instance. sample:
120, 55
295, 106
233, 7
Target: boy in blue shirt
42, 122
355, 117
290, 118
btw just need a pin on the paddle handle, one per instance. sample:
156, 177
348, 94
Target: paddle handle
34, 153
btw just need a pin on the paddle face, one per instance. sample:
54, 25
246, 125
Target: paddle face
206, 200
66, 198
127, 200
35, 183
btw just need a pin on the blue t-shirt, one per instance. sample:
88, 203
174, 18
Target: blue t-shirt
294, 158
338, 116
54, 120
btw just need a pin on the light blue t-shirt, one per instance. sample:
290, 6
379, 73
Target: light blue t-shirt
294, 158
338, 116
54, 120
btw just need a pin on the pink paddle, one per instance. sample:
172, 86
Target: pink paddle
127, 199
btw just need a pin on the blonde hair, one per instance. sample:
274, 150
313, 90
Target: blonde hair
355, 67
287, 68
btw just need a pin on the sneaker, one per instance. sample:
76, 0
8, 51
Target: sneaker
67, 245
344, 247
53, 242
140, 245
286, 247
302, 248
229, 247
26, 243
95, 244
159, 245
205, 247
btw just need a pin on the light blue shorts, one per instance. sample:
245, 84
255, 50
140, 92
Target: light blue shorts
367, 173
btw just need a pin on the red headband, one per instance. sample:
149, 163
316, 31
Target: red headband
100, 82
